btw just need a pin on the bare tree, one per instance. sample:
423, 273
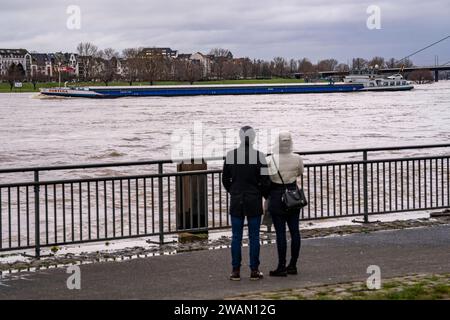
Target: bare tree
293, 66
87, 49
391, 63
279, 65
421, 76
152, 66
131, 64
15, 73
342, 67
359, 64
109, 53
37, 77
194, 71
406, 63
220, 52
377, 61
246, 68
231, 70
306, 68
327, 65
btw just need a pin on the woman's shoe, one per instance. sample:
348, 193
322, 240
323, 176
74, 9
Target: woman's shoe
279, 272
292, 270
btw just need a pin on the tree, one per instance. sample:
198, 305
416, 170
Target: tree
108, 54
279, 65
391, 63
37, 77
131, 64
15, 73
247, 67
307, 69
220, 52
377, 61
305, 66
327, 65
231, 70
342, 67
293, 66
266, 71
87, 49
106, 69
359, 64
151, 68
406, 63
421, 76
194, 71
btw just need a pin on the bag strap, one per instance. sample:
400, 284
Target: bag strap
278, 171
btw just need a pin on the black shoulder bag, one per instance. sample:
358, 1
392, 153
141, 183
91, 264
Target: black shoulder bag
292, 199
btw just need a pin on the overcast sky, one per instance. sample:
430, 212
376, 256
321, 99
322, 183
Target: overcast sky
256, 28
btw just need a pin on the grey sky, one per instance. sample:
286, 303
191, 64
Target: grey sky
255, 28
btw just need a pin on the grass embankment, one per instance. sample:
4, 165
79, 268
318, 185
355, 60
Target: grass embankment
413, 287
28, 87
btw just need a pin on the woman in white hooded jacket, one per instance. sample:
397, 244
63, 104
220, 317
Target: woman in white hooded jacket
290, 167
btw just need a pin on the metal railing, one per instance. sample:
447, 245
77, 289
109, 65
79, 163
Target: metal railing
38, 213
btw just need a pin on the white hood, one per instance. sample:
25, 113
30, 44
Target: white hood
284, 143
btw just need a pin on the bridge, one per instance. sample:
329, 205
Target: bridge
334, 73
435, 69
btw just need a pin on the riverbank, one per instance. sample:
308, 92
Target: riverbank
57, 257
324, 261
28, 87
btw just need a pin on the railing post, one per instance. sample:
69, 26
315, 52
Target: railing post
161, 206
366, 188
37, 229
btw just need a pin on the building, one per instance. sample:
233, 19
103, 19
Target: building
15, 56
204, 61
165, 52
41, 65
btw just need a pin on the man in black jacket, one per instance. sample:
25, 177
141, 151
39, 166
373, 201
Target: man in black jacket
245, 178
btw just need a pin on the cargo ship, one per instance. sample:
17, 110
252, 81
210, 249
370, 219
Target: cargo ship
196, 90
373, 82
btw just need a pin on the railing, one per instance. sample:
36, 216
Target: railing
47, 213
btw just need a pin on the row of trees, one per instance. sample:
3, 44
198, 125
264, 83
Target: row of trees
132, 65
103, 65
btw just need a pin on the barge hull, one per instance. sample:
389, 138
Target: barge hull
173, 91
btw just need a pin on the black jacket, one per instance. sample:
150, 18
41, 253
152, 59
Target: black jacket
245, 178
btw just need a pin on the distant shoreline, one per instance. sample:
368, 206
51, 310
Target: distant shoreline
28, 87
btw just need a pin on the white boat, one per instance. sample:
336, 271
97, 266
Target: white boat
373, 82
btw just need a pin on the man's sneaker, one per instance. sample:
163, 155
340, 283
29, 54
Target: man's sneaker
235, 275
256, 275
279, 272
292, 270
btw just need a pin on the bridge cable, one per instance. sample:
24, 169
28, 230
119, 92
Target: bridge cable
434, 43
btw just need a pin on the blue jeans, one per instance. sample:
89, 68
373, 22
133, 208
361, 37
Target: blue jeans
292, 221
237, 227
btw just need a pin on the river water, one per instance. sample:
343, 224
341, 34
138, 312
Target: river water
36, 131
41, 132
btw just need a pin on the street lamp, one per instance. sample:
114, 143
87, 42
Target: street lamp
59, 74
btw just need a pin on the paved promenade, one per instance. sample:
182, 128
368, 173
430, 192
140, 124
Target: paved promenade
204, 274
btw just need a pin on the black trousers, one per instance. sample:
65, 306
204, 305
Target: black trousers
280, 219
